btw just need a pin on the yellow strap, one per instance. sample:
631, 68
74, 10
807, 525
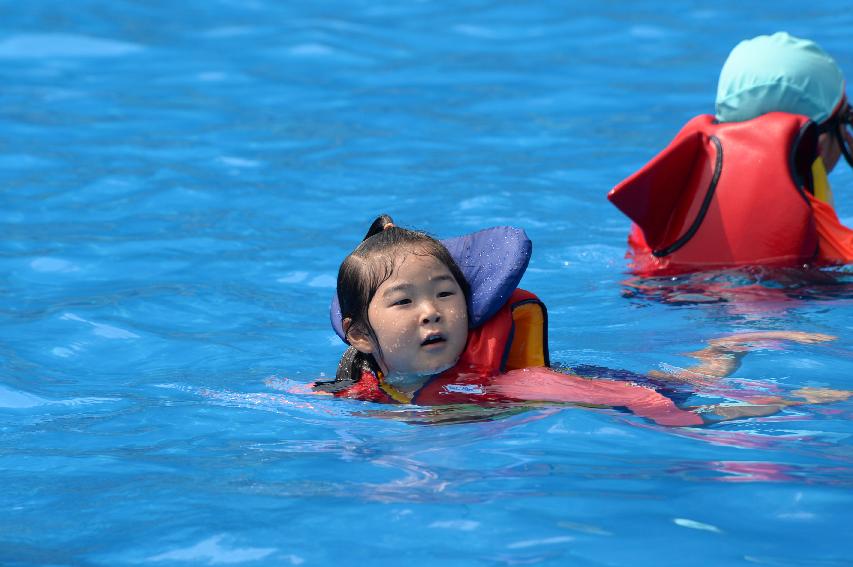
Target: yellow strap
527, 348
822, 190
396, 394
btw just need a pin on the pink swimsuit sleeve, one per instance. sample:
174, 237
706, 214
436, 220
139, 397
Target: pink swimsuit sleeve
541, 384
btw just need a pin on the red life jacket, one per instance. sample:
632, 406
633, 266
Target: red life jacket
514, 337
505, 360
724, 195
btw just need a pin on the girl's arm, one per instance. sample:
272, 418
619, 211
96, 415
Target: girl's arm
545, 385
722, 356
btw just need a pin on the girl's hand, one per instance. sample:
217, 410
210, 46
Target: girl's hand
722, 356
822, 395
741, 341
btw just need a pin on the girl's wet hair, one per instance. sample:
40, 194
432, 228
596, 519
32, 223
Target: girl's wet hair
360, 275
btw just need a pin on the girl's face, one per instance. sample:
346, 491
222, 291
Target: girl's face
420, 318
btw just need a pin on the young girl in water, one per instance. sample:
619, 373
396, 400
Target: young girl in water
405, 310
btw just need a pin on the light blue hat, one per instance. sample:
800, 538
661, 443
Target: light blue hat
778, 72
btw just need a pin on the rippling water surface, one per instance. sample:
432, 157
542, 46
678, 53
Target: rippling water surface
179, 184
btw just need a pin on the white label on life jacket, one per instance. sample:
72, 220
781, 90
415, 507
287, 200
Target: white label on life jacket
463, 389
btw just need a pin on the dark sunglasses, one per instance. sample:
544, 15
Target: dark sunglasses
836, 125
845, 120
846, 115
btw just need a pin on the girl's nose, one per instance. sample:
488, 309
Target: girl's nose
430, 315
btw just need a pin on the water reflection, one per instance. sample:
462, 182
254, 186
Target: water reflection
763, 471
754, 290
450, 414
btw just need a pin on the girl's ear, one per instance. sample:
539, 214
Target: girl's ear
356, 337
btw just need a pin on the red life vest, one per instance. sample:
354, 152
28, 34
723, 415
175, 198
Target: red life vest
506, 359
514, 337
724, 195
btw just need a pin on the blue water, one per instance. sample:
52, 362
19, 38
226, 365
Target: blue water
179, 184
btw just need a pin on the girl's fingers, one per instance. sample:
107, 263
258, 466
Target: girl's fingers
801, 337
822, 395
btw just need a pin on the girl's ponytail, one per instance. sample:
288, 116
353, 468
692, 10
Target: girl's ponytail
350, 368
381, 223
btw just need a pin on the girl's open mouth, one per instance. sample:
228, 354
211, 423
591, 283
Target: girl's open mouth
433, 339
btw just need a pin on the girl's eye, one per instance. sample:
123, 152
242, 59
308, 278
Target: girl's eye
404, 301
446, 294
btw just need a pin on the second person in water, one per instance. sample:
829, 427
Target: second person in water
748, 186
